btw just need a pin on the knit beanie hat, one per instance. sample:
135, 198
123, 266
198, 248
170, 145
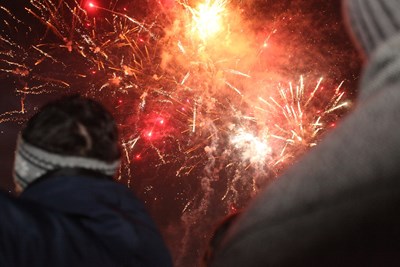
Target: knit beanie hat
32, 162
372, 21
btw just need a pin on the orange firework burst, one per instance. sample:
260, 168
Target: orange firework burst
180, 95
181, 84
207, 18
298, 115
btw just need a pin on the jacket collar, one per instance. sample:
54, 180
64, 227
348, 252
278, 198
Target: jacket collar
76, 191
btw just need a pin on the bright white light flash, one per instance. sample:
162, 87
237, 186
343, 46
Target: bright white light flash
252, 148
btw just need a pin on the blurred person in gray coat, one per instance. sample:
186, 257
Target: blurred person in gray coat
340, 205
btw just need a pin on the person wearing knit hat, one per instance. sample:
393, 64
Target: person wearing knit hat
70, 211
339, 205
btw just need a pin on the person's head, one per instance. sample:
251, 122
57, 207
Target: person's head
372, 22
72, 132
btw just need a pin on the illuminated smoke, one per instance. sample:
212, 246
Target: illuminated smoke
194, 88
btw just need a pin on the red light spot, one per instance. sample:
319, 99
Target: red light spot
120, 101
93, 72
91, 6
150, 135
333, 125
138, 157
233, 208
124, 9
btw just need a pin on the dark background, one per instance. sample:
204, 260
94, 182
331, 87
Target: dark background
317, 39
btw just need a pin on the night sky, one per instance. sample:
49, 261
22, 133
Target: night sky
318, 41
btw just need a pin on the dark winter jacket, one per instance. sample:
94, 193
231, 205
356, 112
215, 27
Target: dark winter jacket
78, 218
340, 205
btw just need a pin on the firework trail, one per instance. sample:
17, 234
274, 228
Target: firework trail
189, 92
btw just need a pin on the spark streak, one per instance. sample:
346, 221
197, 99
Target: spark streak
188, 87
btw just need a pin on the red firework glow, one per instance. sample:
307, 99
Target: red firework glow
209, 104
90, 5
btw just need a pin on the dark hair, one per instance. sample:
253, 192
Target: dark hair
74, 126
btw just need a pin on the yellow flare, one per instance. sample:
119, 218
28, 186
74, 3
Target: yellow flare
207, 18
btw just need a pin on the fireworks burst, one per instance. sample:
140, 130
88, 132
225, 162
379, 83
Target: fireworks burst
207, 18
299, 116
184, 87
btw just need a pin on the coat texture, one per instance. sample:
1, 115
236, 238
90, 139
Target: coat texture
78, 218
340, 205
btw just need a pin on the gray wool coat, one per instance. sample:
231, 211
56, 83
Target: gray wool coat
340, 205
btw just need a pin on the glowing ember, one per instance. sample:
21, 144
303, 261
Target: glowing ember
253, 149
190, 88
207, 18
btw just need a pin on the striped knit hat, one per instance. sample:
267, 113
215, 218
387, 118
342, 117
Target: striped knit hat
32, 162
372, 21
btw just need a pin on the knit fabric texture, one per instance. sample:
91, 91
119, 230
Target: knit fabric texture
341, 198
372, 21
32, 162
338, 206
